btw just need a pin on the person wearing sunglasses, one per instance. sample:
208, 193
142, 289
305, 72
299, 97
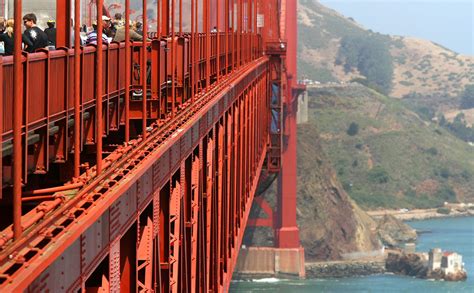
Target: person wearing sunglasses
33, 37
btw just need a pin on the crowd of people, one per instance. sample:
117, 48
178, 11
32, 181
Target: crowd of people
34, 38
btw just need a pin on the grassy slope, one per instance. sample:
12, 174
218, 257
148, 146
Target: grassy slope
423, 162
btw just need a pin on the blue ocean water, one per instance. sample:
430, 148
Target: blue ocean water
454, 234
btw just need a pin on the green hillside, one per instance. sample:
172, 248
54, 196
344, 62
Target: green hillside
388, 157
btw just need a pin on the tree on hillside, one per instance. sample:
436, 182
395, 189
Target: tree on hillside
460, 129
467, 97
371, 56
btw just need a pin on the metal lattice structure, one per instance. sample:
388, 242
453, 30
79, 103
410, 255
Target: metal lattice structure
132, 166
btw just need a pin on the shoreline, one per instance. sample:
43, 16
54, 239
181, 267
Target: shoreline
422, 214
344, 269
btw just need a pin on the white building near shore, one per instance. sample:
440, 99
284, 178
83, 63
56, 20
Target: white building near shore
451, 263
448, 262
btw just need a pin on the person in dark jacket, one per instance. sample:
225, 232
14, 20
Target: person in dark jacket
33, 37
139, 28
7, 38
51, 32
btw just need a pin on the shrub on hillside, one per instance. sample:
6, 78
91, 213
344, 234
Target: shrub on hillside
444, 172
378, 175
353, 129
432, 151
466, 175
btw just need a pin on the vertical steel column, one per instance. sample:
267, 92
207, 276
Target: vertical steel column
144, 253
98, 92
158, 29
194, 47
174, 233
2, 97
218, 36
195, 187
240, 154
63, 23
144, 68
157, 284
250, 26
226, 32
287, 231
180, 17
206, 24
191, 48
165, 18
173, 60
209, 199
201, 270
239, 32
220, 196
232, 21
127, 70
235, 202
255, 28
77, 88
17, 122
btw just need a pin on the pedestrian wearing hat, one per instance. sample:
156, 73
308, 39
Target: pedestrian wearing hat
109, 28
92, 35
51, 32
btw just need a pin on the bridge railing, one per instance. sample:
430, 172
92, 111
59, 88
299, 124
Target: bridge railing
48, 90
178, 70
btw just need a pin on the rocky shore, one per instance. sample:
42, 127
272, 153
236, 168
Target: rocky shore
341, 269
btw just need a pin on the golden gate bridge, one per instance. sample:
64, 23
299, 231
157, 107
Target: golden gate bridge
132, 166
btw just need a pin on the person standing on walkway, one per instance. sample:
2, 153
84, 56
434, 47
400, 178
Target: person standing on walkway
33, 37
7, 38
93, 35
50, 31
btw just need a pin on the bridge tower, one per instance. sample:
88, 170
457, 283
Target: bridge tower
287, 255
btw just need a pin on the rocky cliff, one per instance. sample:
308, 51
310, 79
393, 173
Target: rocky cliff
331, 224
394, 232
410, 264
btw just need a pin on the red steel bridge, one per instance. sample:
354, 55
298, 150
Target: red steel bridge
133, 166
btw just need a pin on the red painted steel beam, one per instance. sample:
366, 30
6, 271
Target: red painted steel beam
127, 70
287, 231
63, 23
99, 130
17, 122
165, 17
77, 89
144, 69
